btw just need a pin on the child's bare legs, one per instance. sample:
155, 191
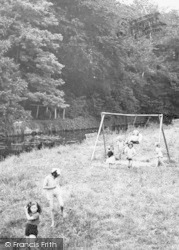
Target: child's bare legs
119, 152
50, 197
60, 202
129, 163
160, 162
52, 211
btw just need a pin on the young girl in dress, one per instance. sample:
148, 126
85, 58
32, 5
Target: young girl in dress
130, 153
32, 212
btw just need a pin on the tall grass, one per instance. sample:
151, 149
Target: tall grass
107, 208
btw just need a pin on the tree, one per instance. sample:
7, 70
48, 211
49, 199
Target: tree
31, 48
114, 69
12, 93
94, 56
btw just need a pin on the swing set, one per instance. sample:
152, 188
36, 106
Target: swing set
101, 129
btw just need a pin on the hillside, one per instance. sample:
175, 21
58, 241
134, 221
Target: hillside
106, 208
74, 59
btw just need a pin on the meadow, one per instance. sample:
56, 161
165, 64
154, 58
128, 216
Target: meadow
106, 207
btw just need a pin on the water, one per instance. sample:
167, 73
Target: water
14, 145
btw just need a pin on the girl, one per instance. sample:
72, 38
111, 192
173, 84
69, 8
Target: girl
32, 211
120, 146
130, 153
110, 155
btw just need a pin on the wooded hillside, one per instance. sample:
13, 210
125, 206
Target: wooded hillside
86, 57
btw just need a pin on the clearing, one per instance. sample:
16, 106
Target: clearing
107, 208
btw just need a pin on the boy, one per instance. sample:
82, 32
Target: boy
52, 187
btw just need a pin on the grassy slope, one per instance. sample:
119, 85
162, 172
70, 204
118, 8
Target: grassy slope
108, 208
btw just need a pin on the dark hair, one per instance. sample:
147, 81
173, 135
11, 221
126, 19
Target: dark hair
54, 174
39, 210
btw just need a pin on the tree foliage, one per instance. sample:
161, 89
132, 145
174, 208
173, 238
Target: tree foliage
32, 72
107, 67
105, 62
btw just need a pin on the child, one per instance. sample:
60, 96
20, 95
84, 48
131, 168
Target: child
52, 187
130, 153
32, 211
136, 137
120, 146
110, 155
159, 154
110, 151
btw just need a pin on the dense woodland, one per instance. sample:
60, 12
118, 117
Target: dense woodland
86, 56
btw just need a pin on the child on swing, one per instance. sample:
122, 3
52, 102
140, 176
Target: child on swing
159, 154
130, 153
136, 137
110, 155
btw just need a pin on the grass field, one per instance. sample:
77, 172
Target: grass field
106, 208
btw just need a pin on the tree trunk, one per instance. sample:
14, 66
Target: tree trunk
55, 113
37, 113
63, 114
